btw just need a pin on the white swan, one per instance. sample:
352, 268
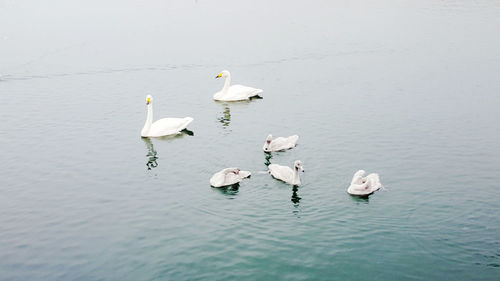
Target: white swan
234, 92
280, 143
228, 176
363, 186
286, 173
164, 126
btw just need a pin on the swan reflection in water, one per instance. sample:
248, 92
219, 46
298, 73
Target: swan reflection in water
295, 197
225, 119
360, 199
268, 156
295, 200
152, 163
152, 154
229, 190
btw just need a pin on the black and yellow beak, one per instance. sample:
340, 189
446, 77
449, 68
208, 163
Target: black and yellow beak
218, 76
148, 101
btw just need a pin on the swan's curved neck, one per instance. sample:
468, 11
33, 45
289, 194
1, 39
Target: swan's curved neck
296, 178
355, 179
227, 83
149, 120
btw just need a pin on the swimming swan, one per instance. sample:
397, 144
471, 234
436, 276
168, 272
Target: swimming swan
228, 176
279, 143
286, 173
363, 186
164, 126
234, 92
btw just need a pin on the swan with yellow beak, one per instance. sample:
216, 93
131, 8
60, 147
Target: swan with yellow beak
234, 92
164, 126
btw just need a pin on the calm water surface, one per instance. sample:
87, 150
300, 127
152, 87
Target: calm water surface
409, 90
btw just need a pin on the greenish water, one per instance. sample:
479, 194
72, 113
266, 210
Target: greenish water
407, 90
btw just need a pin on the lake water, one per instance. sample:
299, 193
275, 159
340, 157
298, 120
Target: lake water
407, 89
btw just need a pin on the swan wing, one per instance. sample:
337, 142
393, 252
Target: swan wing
169, 126
222, 178
219, 96
282, 143
374, 181
244, 91
237, 92
232, 178
359, 189
283, 173
217, 180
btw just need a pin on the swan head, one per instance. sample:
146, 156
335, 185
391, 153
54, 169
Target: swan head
223, 74
298, 166
268, 143
149, 99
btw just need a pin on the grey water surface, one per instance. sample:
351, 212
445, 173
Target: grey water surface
407, 89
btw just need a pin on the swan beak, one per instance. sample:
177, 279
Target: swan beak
218, 76
302, 169
148, 101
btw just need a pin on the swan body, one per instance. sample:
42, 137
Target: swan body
228, 176
164, 126
279, 143
234, 92
287, 174
363, 186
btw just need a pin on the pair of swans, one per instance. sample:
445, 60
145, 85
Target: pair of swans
232, 176
172, 126
283, 173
